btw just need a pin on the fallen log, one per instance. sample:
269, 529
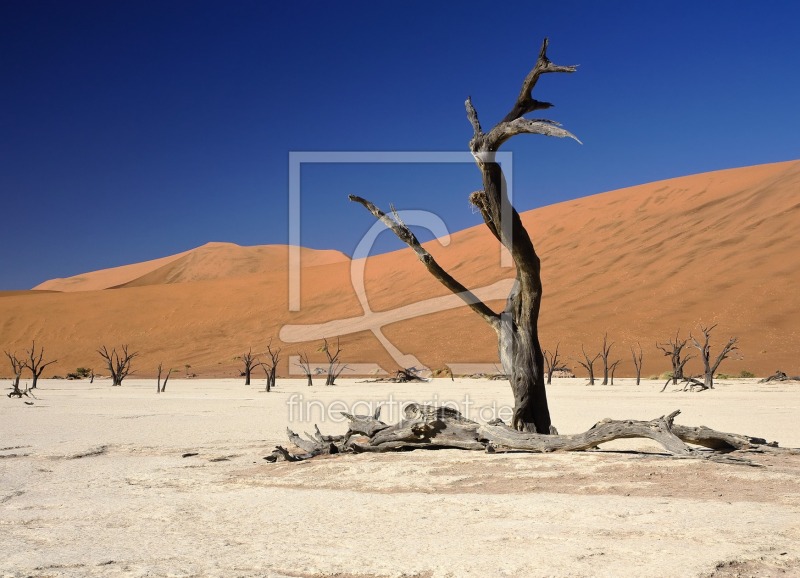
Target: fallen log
432, 427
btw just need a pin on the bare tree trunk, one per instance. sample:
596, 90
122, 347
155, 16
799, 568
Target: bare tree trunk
637, 362
517, 326
604, 354
551, 360
709, 368
673, 349
36, 364
119, 365
17, 365
588, 364
249, 361
613, 368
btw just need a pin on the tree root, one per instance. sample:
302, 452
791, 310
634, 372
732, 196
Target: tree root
431, 427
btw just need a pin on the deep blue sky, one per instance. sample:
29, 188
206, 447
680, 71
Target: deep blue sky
130, 130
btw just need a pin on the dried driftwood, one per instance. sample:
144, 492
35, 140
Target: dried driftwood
431, 427
779, 376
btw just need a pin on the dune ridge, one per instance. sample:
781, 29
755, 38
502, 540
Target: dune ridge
640, 263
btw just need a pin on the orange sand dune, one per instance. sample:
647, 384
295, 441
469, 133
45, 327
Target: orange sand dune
639, 263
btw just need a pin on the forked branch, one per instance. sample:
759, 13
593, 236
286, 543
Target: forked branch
404, 234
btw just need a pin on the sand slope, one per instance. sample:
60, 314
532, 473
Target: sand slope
639, 263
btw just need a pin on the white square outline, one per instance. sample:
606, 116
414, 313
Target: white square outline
297, 158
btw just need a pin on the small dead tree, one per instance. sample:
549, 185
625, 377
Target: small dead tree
271, 366
305, 365
249, 362
335, 367
161, 388
17, 365
551, 362
588, 364
119, 365
613, 368
604, 354
705, 354
637, 362
674, 349
35, 363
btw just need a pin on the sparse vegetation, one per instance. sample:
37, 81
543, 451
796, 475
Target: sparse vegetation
744, 374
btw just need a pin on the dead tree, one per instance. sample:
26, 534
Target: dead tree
637, 362
517, 325
588, 364
35, 363
674, 349
119, 365
17, 365
335, 367
431, 427
604, 354
779, 376
705, 354
613, 368
305, 365
161, 388
551, 361
249, 362
271, 366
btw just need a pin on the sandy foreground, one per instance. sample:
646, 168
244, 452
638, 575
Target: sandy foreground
93, 483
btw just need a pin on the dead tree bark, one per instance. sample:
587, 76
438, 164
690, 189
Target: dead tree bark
161, 388
119, 365
674, 349
551, 361
35, 363
430, 427
588, 364
709, 368
249, 362
305, 365
517, 326
637, 362
17, 365
604, 354
335, 367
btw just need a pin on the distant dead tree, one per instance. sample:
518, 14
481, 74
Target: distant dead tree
35, 363
17, 365
551, 362
674, 349
604, 354
305, 365
249, 362
588, 364
613, 368
161, 388
335, 367
637, 362
119, 365
271, 367
705, 354
516, 326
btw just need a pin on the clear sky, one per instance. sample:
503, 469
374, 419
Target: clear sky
131, 130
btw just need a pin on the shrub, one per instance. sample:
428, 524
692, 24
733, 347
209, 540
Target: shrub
665, 375
723, 376
746, 374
